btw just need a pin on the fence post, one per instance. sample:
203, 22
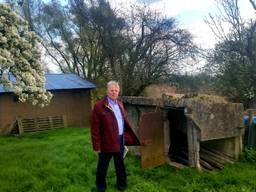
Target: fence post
193, 144
20, 127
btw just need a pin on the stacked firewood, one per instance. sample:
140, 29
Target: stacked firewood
211, 159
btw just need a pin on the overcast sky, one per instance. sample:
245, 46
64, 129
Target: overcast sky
190, 14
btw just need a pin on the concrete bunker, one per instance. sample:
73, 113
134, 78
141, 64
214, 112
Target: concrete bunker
198, 131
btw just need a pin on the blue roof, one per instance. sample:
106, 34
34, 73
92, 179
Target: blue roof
60, 82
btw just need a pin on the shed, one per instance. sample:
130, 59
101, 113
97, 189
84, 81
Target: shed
71, 100
197, 131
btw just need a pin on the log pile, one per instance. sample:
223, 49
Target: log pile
210, 159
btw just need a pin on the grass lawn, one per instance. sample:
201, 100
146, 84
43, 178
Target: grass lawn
63, 161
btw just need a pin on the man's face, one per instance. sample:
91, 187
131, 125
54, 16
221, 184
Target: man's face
113, 91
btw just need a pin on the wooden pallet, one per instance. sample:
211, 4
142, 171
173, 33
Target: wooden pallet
27, 125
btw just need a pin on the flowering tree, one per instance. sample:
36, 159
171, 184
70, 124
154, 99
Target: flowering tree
20, 57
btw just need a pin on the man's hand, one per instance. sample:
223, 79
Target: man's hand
98, 151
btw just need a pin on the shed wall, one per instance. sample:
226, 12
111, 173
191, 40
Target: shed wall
75, 105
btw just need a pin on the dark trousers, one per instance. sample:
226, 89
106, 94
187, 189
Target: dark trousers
102, 168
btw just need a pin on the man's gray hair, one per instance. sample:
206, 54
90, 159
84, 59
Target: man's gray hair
112, 82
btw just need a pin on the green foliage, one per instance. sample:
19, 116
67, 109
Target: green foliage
235, 75
63, 161
232, 60
201, 82
97, 94
100, 43
249, 155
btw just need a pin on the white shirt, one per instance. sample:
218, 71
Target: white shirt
118, 114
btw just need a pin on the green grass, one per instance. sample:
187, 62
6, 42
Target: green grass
63, 161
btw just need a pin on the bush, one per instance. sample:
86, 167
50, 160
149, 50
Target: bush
249, 155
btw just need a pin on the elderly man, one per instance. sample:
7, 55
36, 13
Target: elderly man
110, 130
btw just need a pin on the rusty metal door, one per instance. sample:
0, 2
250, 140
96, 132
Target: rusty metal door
152, 140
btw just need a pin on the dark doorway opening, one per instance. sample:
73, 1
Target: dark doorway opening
178, 150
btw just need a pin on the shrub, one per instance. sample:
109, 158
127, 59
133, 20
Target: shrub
249, 155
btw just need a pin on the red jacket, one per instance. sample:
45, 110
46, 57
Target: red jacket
104, 128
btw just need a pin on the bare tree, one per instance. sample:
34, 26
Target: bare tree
253, 4
229, 14
233, 57
96, 42
157, 48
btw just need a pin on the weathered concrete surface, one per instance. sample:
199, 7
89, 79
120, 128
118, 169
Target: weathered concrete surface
215, 118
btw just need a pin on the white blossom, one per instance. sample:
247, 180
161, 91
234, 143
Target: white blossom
20, 56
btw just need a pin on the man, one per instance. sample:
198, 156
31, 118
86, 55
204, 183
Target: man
110, 130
